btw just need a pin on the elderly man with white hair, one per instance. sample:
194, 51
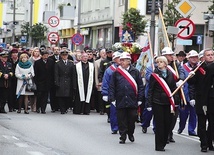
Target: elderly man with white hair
126, 92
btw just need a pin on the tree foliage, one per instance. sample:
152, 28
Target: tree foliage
134, 22
171, 15
211, 7
38, 32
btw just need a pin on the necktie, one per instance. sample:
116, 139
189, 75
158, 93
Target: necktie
4, 64
65, 62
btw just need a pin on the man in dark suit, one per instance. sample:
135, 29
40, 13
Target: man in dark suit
203, 99
63, 76
53, 100
44, 77
5, 80
14, 59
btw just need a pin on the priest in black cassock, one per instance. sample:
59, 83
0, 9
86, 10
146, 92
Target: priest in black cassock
83, 85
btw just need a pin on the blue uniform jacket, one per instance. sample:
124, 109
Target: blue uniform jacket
121, 90
106, 80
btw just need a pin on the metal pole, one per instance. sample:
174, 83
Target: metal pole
14, 19
113, 16
152, 26
30, 23
79, 13
126, 5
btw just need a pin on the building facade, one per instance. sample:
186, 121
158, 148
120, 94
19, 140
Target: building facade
99, 21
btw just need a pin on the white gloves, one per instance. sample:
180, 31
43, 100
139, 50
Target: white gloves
191, 74
114, 103
149, 109
139, 103
105, 98
205, 109
192, 103
179, 83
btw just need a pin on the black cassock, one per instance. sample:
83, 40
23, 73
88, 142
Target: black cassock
81, 107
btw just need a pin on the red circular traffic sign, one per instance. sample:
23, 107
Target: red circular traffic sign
77, 39
186, 28
53, 21
53, 37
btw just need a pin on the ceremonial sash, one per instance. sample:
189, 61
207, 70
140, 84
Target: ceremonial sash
166, 89
202, 71
81, 83
173, 72
129, 78
112, 67
187, 68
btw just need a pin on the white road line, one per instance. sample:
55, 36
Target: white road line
183, 135
34, 153
15, 138
22, 144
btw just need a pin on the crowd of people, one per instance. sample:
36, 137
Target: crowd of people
108, 82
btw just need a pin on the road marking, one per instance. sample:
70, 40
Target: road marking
15, 138
183, 135
22, 144
35, 153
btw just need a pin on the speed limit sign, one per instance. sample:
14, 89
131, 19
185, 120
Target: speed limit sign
53, 21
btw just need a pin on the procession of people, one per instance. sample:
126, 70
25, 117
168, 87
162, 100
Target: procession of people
106, 81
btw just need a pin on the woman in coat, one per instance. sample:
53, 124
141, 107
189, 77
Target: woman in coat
24, 72
161, 85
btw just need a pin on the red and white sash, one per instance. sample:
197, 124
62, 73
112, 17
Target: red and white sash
202, 71
113, 68
173, 72
129, 78
187, 68
166, 88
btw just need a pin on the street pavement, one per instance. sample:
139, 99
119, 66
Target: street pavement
69, 134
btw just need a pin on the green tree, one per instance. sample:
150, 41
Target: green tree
171, 15
134, 22
211, 8
38, 33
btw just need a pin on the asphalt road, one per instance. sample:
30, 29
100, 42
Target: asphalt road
56, 134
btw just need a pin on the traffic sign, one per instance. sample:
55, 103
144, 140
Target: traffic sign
184, 42
77, 39
23, 39
185, 8
53, 21
186, 28
199, 39
53, 37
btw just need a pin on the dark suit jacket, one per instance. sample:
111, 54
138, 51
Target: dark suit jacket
63, 76
44, 74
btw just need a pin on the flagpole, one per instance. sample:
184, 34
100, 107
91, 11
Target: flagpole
167, 39
151, 50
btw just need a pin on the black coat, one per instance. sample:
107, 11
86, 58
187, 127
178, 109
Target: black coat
199, 86
63, 77
104, 64
5, 70
209, 88
156, 94
121, 90
44, 74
